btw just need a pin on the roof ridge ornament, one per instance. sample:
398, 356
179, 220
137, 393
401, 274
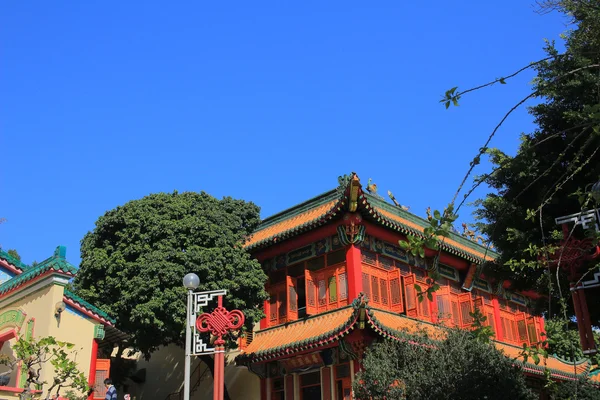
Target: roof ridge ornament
60, 252
352, 231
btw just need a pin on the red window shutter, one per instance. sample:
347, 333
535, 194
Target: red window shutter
521, 331
322, 291
383, 287
282, 305
273, 306
465, 310
455, 310
443, 304
343, 279
292, 304
423, 305
410, 295
375, 289
366, 285
532, 331
311, 293
102, 372
395, 291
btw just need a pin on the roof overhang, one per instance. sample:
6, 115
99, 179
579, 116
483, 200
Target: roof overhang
325, 330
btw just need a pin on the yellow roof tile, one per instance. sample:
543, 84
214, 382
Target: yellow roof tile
291, 223
298, 331
449, 241
324, 328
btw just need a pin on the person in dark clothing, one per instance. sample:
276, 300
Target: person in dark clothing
111, 393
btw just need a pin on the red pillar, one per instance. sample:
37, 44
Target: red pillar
289, 386
219, 378
497, 320
588, 325
354, 269
580, 318
585, 326
326, 383
264, 323
433, 307
93, 359
263, 389
542, 328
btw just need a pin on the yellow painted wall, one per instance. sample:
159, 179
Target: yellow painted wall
72, 328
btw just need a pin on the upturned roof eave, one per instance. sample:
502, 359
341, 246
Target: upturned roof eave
325, 339
368, 206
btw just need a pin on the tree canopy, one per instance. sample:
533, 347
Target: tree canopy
133, 262
556, 164
459, 367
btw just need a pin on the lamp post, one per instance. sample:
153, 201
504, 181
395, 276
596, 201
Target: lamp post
190, 282
218, 323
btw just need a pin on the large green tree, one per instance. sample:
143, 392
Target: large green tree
133, 262
460, 367
552, 175
555, 165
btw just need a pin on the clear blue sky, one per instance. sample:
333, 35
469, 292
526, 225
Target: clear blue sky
105, 102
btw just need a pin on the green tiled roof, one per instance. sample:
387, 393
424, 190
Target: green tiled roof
53, 263
56, 263
92, 308
12, 260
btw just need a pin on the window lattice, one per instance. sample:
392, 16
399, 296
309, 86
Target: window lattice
343, 286
384, 294
465, 310
322, 292
395, 291
366, 285
375, 288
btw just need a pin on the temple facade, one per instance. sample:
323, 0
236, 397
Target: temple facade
339, 280
35, 303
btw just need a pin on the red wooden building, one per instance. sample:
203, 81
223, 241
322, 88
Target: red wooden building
338, 279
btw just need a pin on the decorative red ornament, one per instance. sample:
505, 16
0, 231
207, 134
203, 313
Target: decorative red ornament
572, 253
219, 322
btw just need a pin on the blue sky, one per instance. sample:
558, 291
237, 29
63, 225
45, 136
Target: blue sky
105, 102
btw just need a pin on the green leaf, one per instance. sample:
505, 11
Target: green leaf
437, 215
429, 296
418, 288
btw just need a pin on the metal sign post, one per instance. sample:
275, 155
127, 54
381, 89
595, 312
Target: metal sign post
218, 323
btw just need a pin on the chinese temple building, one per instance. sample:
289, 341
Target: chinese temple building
35, 303
338, 280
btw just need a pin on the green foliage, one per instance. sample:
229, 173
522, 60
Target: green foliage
133, 262
71, 395
562, 338
440, 225
33, 354
577, 390
480, 331
459, 367
14, 253
554, 165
